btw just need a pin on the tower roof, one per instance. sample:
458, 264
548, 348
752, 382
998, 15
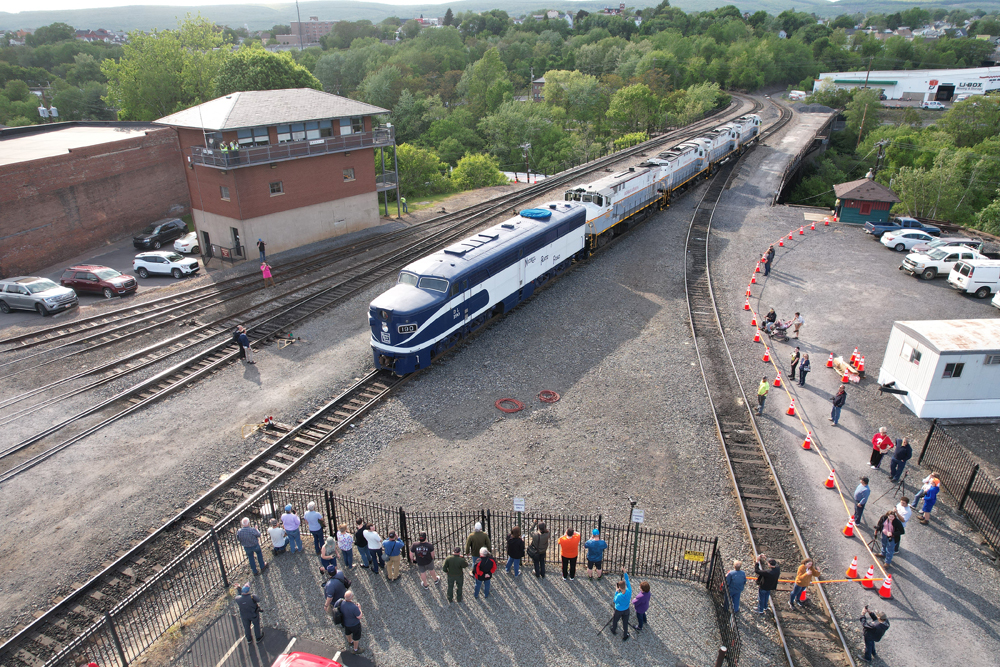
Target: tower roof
865, 189
257, 108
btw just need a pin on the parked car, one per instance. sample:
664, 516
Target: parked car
904, 240
39, 294
98, 280
164, 262
187, 244
946, 241
980, 277
304, 660
158, 233
877, 229
932, 105
937, 262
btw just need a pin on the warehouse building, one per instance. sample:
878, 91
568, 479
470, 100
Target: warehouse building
921, 85
290, 167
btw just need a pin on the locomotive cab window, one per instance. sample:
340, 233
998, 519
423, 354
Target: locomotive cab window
407, 279
435, 284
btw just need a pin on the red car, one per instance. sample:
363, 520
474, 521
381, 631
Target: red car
304, 660
98, 280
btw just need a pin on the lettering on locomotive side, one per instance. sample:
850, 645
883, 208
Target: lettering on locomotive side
544, 259
555, 258
455, 314
529, 260
406, 328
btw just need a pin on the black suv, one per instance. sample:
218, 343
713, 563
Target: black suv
160, 232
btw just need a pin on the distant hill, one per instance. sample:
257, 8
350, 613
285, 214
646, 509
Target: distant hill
259, 17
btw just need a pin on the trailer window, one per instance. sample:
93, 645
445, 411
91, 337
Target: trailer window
953, 370
407, 278
588, 198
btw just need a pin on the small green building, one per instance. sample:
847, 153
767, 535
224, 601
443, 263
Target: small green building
863, 201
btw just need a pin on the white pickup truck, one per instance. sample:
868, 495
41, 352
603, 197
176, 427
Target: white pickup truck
937, 261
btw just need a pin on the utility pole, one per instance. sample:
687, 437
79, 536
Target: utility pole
867, 74
527, 169
862, 128
299, 16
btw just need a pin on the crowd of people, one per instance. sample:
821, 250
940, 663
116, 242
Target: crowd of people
336, 558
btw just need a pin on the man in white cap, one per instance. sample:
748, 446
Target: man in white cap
314, 519
476, 541
249, 613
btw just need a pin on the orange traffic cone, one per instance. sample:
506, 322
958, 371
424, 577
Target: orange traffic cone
756, 336
852, 571
886, 590
829, 362
753, 322
767, 353
829, 480
836, 219
861, 364
807, 443
789, 236
802, 597
826, 221
846, 378
849, 529
812, 226
791, 408
867, 581
777, 379
757, 270
748, 291
854, 357
802, 231
781, 243
753, 279
746, 306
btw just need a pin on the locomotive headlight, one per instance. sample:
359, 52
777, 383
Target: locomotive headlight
385, 327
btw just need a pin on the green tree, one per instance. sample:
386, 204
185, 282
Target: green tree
863, 112
411, 29
477, 171
280, 30
973, 120
579, 94
449, 18
165, 71
381, 88
254, 68
988, 219
50, 34
421, 171
16, 91
485, 84
85, 68
635, 108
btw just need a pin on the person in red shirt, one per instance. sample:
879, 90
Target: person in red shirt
881, 443
569, 547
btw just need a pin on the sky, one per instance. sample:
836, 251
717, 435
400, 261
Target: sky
15, 6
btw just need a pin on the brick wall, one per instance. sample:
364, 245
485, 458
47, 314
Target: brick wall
54, 208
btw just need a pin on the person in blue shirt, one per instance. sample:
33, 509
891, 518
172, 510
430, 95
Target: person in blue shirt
861, 499
623, 602
595, 547
736, 581
314, 519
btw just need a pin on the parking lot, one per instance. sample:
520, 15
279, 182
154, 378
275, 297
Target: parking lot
850, 291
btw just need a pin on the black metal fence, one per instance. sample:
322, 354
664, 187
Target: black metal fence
729, 629
978, 495
216, 560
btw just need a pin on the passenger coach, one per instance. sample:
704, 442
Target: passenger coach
443, 297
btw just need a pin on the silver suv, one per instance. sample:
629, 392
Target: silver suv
39, 294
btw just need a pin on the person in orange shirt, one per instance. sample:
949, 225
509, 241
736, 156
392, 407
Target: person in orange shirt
569, 547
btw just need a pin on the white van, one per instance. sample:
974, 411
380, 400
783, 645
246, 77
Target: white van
980, 277
796, 95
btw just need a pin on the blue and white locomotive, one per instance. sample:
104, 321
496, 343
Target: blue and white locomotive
440, 299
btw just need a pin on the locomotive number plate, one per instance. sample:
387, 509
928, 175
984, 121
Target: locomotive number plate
406, 328
385, 337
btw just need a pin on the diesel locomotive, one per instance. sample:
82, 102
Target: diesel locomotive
442, 298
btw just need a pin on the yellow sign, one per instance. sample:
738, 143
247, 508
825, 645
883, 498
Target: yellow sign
698, 556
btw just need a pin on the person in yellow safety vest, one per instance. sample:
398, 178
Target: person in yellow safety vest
402, 200
762, 390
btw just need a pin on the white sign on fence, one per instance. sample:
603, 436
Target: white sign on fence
638, 515
518, 504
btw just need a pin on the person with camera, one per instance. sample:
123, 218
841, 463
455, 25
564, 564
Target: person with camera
537, 548
249, 613
622, 602
335, 587
483, 572
803, 577
873, 625
767, 572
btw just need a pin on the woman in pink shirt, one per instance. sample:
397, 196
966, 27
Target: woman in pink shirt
266, 270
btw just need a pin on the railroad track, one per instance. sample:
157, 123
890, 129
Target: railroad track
24, 455
811, 636
45, 640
